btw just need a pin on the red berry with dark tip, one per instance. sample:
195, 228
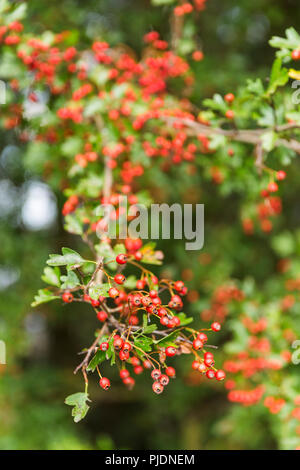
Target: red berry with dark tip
157, 388
67, 297
121, 259
104, 383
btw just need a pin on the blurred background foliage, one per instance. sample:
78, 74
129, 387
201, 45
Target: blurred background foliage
42, 344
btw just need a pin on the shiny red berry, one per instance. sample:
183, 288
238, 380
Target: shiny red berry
67, 297
121, 259
157, 388
170, 351
104, 383
215, 326
102, 316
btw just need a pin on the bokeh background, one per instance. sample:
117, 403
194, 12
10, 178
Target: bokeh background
42, 344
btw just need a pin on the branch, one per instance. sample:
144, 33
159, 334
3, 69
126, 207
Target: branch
250, 136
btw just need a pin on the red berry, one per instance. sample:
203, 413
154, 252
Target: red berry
210, 374
124, 356
164, 379
104, 346
138, 370
95, 303
229, 114
155, 374
119, 278
157, 388
202, 337
170, 351
147, 364
170, 371
127, 347
135, 361
215, 326
118, 343
104, 383
273, 187
281, 175
113, 292
102, 316
195, 365
124, 373
178, 285
140, 284
220, 374
138, 255
229, 97
164, 321
67, 297
129, 382
202, 367
121, 259
197, 344
296, 54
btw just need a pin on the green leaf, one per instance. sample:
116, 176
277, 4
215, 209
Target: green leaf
119, 249
43, 296
147, 329
79, 403
99, 357
268, 140
279, 76
51, 276
162, 2
110, 354
70, 280
70, 258
184, 320
99, 289
168, 340
73, 225
144, 343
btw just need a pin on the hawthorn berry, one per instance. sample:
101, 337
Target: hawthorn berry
296, 54
195, 365
220, 374
124, 355
215, 326
170, 371
197, 344
157, 387
229, 97
104, 383
129, 382
127, 347
113, 292
104, 346
124, 373
202, 337
118, 343
164, 379
121, 258
170, 351
229, 114
138, 370
281, 175
210, 374
67, 297
119, 278
102, 316
155, 374
272, 187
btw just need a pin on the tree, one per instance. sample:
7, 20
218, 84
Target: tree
103, 119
